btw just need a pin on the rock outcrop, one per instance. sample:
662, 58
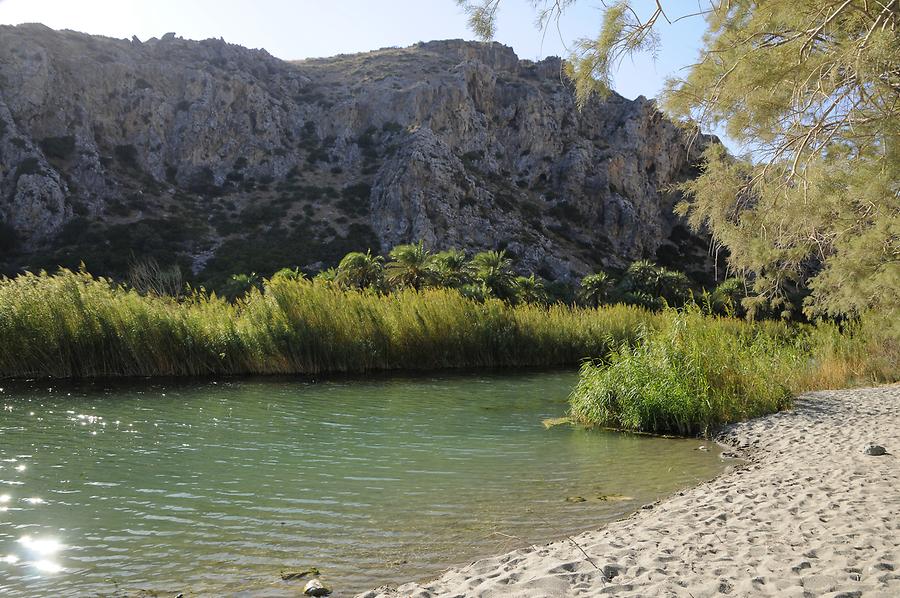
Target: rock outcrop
226, 159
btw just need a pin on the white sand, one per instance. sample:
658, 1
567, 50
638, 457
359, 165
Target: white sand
810, 515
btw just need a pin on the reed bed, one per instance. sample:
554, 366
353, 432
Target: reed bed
73, 325
696, 373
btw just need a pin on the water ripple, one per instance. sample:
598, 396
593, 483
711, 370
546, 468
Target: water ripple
215, 488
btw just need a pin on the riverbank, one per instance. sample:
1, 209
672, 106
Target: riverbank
809, 515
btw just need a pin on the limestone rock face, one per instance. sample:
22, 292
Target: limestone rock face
226, 159
33, 196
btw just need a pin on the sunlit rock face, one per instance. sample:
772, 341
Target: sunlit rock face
228, 159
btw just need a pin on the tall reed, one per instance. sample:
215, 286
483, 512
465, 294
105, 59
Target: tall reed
694, 372
71, 324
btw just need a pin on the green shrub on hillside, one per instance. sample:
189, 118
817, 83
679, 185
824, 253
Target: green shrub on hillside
59, 148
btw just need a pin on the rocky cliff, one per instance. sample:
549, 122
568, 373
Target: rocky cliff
226, 159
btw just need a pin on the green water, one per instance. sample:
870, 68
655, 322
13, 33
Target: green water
215, 488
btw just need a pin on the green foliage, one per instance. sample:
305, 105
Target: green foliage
560, 291
529, 289
727, 298
650, 285
474, 292
355, 199
392, 127
74, 325
491, 274
595, 289
812, 87
147, 276
592, 61
696, 373
110, 250
240, 284
289, 274
408, 266
448, 269
327, 276
837, 233
361, 271
268, 252
493, 270
687, 378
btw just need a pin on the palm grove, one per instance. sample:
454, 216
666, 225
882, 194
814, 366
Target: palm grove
492, 275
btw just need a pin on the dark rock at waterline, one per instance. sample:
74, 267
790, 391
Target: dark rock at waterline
575, 499
875, 450
315, 588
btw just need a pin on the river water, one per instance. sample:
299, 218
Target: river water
217, 487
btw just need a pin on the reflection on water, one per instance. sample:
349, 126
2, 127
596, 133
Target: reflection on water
39, 552
218, 487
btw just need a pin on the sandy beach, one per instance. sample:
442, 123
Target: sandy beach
809, 514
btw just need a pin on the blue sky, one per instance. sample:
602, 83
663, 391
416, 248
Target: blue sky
308, 28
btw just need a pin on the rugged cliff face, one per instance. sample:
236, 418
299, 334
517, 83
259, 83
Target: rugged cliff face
226, 159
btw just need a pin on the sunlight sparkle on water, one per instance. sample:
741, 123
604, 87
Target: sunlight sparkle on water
42, 546
11, 559
5, 498
48, 566
35, 500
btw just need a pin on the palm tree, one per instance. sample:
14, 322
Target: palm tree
361, 270
494, 271
328, 276
595, 288
289, 274
409, 266
653, 285
643, 276
530, 290
448, 269
727, 297
674, 287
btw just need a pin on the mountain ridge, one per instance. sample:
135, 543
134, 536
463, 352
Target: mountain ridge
225, 159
